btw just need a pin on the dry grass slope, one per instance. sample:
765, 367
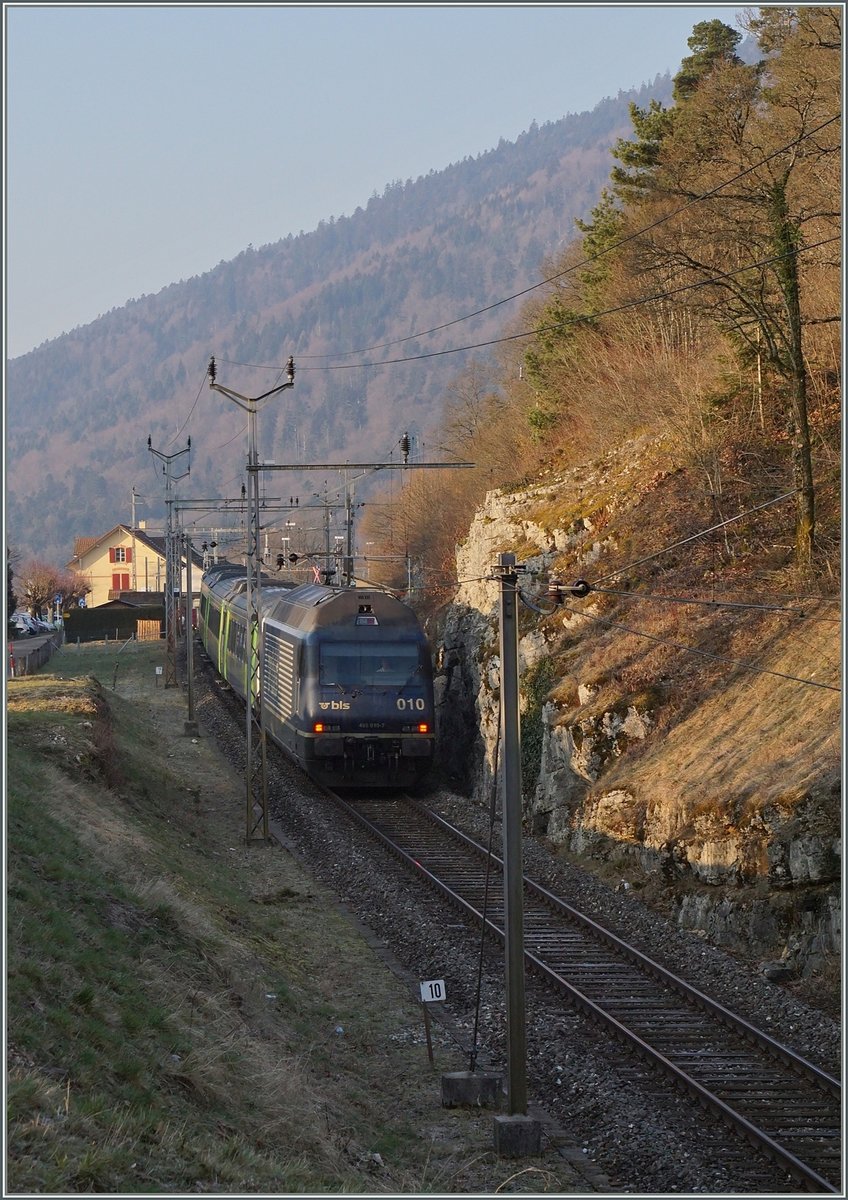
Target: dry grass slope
175, 996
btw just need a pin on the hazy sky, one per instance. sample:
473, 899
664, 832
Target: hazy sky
146, 143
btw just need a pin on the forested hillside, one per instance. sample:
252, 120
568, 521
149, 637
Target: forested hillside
425, 252
701, 305
674, 444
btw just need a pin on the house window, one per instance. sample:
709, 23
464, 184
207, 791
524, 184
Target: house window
120, 583
120, 554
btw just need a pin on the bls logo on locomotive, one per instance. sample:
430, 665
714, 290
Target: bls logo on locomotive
334, 705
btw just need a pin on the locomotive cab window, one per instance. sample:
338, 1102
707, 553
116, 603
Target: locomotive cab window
350, 664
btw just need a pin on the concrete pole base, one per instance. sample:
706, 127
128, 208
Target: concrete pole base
517, 1137
191, 729
471, 1089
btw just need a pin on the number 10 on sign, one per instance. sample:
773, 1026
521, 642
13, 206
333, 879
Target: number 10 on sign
433, 989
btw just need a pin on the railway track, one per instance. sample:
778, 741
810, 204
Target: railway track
760, 1092
782, 1105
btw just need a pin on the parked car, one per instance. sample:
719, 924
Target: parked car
29, 626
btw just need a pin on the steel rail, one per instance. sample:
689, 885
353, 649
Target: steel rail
757, 1036
811, 1179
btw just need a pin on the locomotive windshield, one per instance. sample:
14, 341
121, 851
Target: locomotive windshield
354, 664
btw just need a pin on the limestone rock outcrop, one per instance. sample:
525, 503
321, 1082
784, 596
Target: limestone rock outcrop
729, 809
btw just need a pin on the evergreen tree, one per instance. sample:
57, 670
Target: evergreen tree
712, 42
600, 236
635, 179
770, 133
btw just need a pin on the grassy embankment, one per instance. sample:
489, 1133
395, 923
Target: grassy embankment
174, 995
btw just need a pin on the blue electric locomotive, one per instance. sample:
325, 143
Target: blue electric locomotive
345, 683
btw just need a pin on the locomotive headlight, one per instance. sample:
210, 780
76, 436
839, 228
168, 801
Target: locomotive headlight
318, 727
423, 727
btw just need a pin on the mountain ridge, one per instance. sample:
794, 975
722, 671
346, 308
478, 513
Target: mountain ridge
660, 83
424, 254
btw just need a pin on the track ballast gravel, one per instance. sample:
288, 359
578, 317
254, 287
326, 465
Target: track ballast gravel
631, 1130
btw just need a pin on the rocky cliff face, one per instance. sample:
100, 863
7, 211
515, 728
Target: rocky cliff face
715, 791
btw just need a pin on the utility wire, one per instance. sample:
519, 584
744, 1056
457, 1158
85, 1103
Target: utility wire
774, 608
194, 406
693, 537
191, 410
229, 442
574, 319
553, 279
733, 662
583, 262
593, 586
